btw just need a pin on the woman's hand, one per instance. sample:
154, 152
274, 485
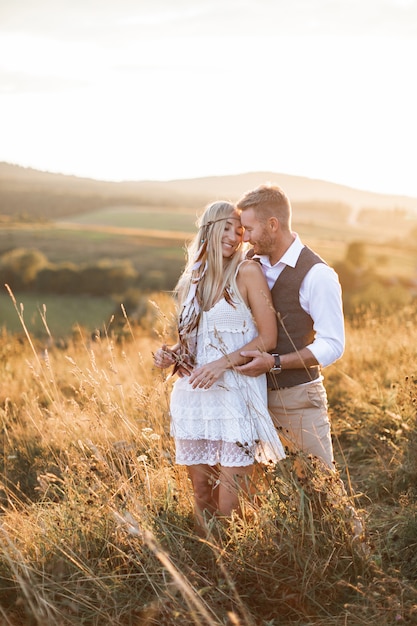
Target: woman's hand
206, 375
164, 357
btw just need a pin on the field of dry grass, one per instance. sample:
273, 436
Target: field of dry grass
96, 519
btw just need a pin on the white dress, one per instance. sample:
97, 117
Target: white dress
229, 423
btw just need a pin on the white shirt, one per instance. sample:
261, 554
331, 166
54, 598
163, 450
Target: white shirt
320, 297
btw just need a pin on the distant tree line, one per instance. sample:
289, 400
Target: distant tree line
28, 270
362, 277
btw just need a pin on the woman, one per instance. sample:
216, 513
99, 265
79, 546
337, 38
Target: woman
219, 418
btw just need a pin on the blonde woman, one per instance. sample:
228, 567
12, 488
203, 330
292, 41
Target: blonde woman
219, 417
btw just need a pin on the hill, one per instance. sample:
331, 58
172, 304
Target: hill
43, 195
298, 188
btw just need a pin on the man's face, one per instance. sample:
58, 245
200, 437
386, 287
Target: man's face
256, 233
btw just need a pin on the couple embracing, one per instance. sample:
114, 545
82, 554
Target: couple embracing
253, 336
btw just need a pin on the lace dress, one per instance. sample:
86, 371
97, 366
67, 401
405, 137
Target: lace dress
229, 423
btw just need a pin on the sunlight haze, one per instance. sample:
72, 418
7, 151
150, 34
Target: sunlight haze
165, 90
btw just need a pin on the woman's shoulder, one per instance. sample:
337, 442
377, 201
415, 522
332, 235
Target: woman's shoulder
249, 269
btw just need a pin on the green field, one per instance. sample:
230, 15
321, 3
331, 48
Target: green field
62, 313
86, 246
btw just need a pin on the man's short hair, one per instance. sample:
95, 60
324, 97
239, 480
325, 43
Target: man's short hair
268, 200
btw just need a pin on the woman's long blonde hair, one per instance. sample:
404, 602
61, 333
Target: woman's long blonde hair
206, 271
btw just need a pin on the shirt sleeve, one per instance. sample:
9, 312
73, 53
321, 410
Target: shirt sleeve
321, 298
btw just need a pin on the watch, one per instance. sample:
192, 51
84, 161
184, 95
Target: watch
276, 368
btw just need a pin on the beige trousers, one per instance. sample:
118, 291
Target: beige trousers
301, 415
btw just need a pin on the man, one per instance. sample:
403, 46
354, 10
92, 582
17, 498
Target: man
307, 297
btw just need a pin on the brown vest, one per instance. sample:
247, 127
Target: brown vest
295, 326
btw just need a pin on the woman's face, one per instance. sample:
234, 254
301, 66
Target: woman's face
232, 236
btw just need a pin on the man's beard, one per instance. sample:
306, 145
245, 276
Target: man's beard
264, 245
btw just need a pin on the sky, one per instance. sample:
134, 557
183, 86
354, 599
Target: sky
171, 89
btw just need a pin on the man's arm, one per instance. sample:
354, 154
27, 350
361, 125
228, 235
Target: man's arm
262, 362
321, 298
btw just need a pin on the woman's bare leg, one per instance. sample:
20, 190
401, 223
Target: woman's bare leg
206, 491
233, 483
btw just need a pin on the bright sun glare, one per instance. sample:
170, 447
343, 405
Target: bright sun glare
163, 106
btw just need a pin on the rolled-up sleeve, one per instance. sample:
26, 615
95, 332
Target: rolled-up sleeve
321, 298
